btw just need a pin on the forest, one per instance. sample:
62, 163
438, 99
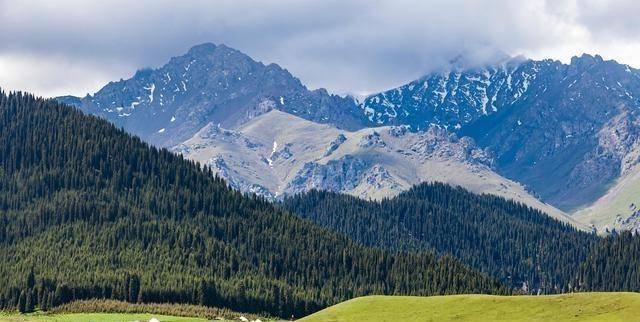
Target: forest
524, 248
88, 211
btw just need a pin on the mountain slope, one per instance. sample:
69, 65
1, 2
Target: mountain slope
479, 308
210, 84
265, 133
564, 133
564, 130
278, 154
618, 208
89, 211
517, 244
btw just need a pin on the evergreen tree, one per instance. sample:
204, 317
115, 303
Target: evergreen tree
22, 302
31, 279
612, 266
30, 301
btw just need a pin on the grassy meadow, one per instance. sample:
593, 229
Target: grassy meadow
565, 307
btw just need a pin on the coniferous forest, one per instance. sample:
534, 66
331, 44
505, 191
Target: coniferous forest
517, 244
614, 265
88, 211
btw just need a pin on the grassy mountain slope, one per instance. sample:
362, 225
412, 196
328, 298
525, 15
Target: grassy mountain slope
618, 208
89, 211
566, 307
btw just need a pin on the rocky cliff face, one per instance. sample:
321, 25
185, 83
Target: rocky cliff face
211, 84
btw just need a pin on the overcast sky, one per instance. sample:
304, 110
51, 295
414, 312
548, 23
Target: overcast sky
75, 47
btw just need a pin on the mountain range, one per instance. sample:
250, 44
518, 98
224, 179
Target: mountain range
89, 211
560, 137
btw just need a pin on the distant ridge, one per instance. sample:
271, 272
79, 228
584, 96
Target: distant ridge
566, 132
211, 84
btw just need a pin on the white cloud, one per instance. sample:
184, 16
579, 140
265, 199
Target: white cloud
58, 47
53, 76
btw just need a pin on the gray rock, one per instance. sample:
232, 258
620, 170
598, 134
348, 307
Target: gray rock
211, 84
567, 131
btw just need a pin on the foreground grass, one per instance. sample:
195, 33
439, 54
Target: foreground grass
94, 317
566, 307
117, 311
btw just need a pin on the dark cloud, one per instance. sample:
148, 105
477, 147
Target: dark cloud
345, 46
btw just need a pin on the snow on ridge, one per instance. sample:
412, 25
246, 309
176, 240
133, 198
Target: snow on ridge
273, 151
186, 68
151, 89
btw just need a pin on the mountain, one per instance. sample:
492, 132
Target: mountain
210, 84
264, 132
561, 133
451, 98
517, 244
89, 211
278, 154
566, 131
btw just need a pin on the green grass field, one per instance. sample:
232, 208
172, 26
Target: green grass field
94, 317
566, 307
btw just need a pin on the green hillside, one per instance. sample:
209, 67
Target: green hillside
88, 211
478, 308
505, 239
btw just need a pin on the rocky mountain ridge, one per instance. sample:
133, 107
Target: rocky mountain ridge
211, 84
567, 132
277, 154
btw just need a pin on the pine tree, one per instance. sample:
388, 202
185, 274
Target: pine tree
22, 302
30, 302
31, 280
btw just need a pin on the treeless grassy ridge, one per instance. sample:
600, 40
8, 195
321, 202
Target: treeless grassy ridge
565, 307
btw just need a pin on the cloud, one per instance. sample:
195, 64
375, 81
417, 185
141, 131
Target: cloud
610, 20
358, 46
